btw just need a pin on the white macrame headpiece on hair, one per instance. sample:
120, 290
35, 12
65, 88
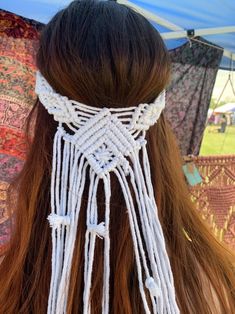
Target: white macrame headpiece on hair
104, 141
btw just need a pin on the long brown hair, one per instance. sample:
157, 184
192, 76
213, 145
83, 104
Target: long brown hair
102, 53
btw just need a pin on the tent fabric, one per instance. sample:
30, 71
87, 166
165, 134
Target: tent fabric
186, 14
194, 69
229, 107
196, 14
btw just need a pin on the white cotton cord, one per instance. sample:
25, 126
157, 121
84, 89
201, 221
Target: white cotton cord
69, 190
107, 192
62, 250
141, 194
69, 248
166, 264
138, 246
96, 230
87, 235
161, 255
90, 239
152, 214
149, 240
58, 226
75, 191
150, 195
138, 175
63, 201
52, 295
157, 268
157, 306
55, 221
147, 171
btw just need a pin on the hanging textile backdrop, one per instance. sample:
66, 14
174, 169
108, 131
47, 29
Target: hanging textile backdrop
215, 196
194, 70
18, 44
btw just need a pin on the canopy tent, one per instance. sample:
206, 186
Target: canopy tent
227, 108
177, 20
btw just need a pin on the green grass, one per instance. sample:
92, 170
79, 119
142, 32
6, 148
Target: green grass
215, 143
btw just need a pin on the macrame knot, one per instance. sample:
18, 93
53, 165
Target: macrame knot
56, 220
99, 230
61, 130
152, 286
59, 109
142, 141
150, 115
103, 155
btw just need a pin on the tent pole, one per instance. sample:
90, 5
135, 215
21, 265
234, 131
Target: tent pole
226, 53
199, 32
179, 32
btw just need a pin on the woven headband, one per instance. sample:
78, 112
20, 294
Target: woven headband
103, 141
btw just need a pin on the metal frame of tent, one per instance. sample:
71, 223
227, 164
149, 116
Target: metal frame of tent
178, 31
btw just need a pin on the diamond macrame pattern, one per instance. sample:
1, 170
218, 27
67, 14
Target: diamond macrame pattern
106, 143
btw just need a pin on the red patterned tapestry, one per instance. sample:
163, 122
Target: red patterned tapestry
18, 44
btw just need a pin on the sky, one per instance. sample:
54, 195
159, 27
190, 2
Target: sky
220, 82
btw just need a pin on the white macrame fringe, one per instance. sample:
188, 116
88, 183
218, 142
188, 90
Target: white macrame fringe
104, 141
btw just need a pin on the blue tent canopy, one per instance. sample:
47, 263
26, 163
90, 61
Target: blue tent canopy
214, 20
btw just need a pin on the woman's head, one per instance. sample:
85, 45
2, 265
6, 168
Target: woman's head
103, 54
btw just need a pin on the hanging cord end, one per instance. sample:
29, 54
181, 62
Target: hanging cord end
99, 230
56, 221
152, 286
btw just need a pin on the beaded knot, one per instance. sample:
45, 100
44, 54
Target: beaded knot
150, 115
99, 230
57, 220
152, 286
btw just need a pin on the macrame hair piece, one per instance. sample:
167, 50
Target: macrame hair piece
102, 141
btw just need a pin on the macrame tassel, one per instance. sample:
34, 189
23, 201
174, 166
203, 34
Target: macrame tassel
152, 213
67, 185
137, 243
104, 140
54, 221
107, 191
68, 180
97, 230
159, 279
154, 239
90, 239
